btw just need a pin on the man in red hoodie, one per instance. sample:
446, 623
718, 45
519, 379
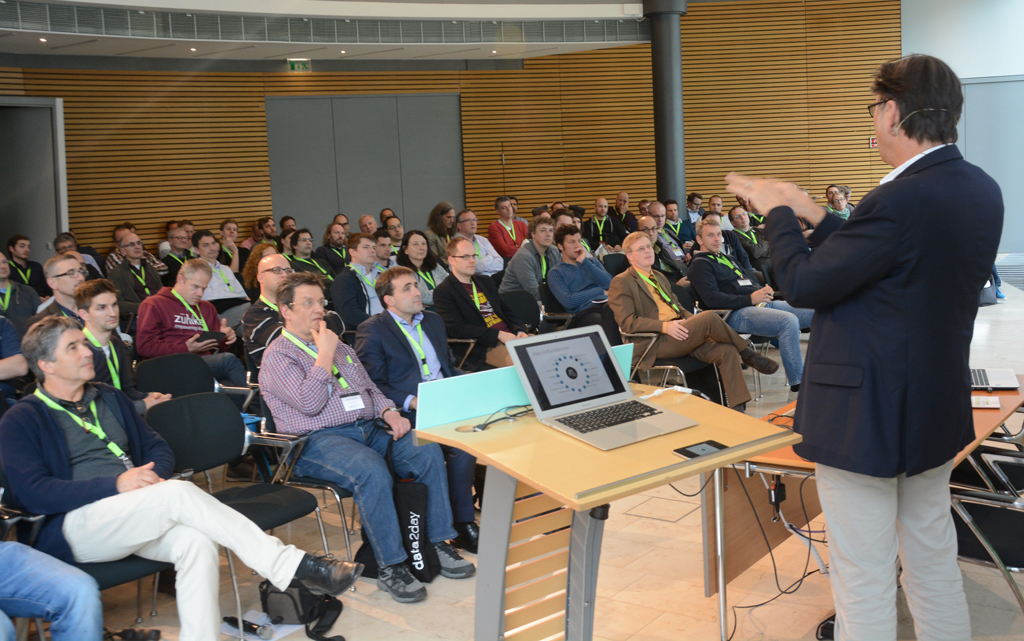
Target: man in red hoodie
506, 234
171, 321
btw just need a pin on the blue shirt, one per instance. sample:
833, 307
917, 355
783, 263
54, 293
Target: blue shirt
412, 335
371, 292
10, 345
577, 286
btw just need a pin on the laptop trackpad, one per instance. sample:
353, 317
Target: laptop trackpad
639, 430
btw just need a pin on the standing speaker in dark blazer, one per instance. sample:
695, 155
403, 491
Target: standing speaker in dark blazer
885, 401
402, 347
487, 319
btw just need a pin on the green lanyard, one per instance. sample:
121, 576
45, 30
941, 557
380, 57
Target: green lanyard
600, 229
675, 228
269, 304
220, 270
365, 279
752, 237
670, 240
115, 367
657, 287
427, 278
315, 264
418, 347
141, 279
586, 245
7, 296
198, 317
89, 427
23, 275
231, 256
181, 261
724, 260
543, 268
341, 252
511, 230
476, 299
757, 218
394, 250
305, 348
477, 247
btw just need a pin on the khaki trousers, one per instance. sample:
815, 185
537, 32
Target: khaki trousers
869, 521
499, 356
177, 522
712, 341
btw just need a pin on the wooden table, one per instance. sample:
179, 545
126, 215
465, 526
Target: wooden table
740, 521
535, 578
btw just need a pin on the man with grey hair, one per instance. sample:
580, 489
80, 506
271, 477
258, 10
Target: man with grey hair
63, 274
65, 243
78, 453
135, 279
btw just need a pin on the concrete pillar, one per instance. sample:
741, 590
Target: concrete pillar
667, 80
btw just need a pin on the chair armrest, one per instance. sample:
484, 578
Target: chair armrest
652, 337
724, 313
995, 462
184, 475
249, 392
290, 446
470, 345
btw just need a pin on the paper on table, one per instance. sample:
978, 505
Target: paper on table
461, 397
281, 630
985, 402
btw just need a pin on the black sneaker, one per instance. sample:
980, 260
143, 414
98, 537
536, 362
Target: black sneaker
453, 566
399, 582
328, 576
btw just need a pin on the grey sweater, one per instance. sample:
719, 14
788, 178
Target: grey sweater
524, 269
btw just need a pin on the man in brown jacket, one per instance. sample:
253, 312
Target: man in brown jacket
642, 301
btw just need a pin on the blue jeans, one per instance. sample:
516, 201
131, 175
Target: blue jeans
461, 468
353, 457
34, 584
226, 368
781, 319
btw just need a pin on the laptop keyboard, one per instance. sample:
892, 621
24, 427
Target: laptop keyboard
610, 416
979, 378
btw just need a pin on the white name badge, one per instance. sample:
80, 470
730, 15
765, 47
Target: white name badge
678, 253
743, 282
352, 402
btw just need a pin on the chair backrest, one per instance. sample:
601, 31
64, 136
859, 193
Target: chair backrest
204, 430
524, 305
548, 300
497, 278
685, 296
176, 374
615, 264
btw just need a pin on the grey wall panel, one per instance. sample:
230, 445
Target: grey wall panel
368, 157
430, 130
994, 133
300, 142
28, 198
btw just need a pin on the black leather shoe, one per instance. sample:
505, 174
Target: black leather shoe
469, 536
328, 576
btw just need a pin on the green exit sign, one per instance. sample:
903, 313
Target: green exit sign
299, 64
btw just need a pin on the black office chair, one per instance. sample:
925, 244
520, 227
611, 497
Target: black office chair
615, 264
685, 367
206, 431
182, 375
525, 307
497, 278
551, 310
988, 528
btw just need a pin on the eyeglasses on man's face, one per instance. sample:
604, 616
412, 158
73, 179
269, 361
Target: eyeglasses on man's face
279, 270
306, 304
871, 108
71, 273
137, 243
465, 256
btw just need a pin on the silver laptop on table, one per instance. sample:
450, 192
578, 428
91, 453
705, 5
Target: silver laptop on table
576, 386
992, 378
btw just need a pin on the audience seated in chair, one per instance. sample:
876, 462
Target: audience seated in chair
367, 224
643, 302
262, 321
721, 284
602, 229
172, 320
180, 244
401, 347
65, 243
18, 302
752, 239
231, 255
488, 261
224, 291
415, 253
263, 230
531, 263
96, 303
333, 252
679, 227
116, 256
622, 214
674, 250
580, 283
471, 308
396, 231
25, 271
315, 385
506, 234
666, 260
302, 259
385, 258
353, 290
440, 229
63, 274
135, 279
12, 363
106, 494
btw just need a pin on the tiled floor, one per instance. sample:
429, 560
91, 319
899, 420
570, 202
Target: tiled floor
650, 580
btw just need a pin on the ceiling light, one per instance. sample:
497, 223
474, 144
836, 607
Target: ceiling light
193, 48
494, 52
343, 52
41, 39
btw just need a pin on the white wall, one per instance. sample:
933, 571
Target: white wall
977, 38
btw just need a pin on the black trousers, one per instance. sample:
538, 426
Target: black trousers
599, 314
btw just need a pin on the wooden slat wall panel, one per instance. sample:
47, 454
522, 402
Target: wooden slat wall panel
770, 87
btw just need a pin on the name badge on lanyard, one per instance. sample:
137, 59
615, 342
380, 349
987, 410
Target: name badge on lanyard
678, 253
744, 282
352, 402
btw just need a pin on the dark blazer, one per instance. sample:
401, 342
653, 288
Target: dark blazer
390, 360
349, 298
38, 466
22, 306
886, 387
463, 320
336, 258
127, 298
124, 363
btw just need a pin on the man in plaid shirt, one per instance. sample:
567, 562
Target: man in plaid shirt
314, 384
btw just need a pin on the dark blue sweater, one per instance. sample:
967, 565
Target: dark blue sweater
37, 463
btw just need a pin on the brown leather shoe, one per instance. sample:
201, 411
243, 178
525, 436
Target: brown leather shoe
761, 363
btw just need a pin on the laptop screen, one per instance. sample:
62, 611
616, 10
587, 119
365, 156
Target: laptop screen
569, 370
